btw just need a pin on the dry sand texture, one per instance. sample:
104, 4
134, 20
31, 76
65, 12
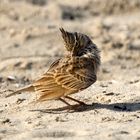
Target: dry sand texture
30, 41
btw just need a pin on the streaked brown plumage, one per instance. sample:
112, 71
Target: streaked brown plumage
72, 73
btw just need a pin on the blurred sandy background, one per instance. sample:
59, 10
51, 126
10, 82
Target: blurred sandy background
30, 41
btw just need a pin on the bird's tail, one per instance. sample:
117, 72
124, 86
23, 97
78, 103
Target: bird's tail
29, 88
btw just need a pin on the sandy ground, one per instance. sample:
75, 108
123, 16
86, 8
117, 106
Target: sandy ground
30, 40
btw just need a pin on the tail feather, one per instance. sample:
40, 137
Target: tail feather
29, 88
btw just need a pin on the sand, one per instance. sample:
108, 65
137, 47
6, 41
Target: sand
30, 41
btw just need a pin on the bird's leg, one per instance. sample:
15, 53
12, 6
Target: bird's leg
64, 101
80, 102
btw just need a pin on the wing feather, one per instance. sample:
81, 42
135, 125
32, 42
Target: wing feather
60, 82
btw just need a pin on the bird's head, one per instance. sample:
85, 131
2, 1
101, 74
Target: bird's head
79, 44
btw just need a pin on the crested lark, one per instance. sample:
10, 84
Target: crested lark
73, 73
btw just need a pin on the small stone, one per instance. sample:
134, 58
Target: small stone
11, 78
1, 79
12, 32
117, 45
135, 45
6, 121
109, 94
19, 101
104, 70
124, 132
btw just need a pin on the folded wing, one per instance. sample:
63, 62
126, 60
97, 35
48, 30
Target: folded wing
67, 76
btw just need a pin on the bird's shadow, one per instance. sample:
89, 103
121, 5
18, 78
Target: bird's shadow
122, 107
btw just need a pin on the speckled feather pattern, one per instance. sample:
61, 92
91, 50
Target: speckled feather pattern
74, 72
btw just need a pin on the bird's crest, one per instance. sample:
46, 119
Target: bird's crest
75, 41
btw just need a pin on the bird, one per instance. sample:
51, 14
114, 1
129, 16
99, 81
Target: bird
74, 72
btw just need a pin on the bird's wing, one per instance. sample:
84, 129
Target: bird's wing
47, 87
54, 64
69, 76
77, 74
